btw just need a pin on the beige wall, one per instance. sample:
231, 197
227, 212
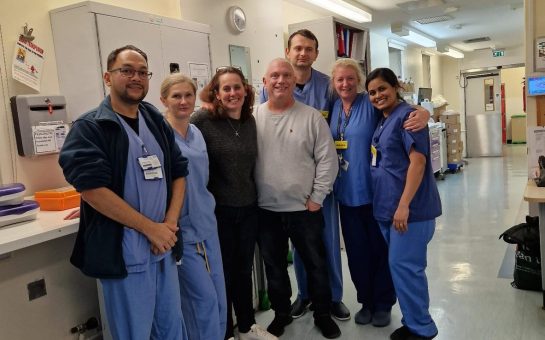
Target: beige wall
534, 27
512, 79
71, 297
41, 172
263, 34
450, 78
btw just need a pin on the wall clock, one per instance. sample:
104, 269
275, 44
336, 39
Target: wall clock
237, 18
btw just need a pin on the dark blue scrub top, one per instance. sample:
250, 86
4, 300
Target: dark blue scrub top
393, 144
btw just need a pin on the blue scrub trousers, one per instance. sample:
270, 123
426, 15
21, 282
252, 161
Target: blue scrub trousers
145, 305
332, 245
367, 254
204, 303
407, 256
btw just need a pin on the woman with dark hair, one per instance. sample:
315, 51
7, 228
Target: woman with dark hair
405, 202
229, 131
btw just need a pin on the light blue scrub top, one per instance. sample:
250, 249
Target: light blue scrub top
393, 144
315, 93
197, 220
149, 197
353, 187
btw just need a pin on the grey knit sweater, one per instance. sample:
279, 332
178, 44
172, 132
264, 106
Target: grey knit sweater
232, 158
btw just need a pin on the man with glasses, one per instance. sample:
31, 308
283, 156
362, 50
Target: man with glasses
124, 161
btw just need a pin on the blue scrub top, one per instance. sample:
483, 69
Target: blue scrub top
197, 221
315, 93
149, 197
353, 187
393, 144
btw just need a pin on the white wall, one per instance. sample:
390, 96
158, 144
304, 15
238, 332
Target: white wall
263, 34
42, 172
484, 58
380, 56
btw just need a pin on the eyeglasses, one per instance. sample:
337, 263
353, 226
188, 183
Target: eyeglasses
228, 68
129, 72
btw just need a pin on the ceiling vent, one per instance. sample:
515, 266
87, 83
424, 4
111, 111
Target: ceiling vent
431, 20
476, 40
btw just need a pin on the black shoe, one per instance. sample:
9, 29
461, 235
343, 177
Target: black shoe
420, 337
339, 311
402, 333
299, 308
279, 323
327, 326
363, 317
381, 318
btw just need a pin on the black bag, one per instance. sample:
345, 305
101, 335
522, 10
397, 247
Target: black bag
527, 272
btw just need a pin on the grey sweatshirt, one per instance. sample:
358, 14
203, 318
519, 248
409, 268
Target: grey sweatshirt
296, 158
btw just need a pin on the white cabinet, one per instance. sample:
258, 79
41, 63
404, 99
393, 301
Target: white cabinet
85, 33
326, 31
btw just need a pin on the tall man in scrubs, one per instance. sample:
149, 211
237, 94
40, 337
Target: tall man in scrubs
295, 170
123, 159
312, 88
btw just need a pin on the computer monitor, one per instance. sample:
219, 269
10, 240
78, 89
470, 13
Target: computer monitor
424, 93
536, 85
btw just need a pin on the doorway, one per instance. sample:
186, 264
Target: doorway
483, 114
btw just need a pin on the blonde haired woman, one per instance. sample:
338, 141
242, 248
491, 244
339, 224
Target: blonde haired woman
202, 285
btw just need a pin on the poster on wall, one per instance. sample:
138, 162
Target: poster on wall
199, 73
540, 54
28, 60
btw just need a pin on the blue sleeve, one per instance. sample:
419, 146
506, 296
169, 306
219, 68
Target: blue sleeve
84, 159
263, 95
420, 140
179, 162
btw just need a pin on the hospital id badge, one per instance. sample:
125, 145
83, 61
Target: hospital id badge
151, 174
373, 156
149, 162
341, 144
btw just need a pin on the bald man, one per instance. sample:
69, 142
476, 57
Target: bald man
295, 170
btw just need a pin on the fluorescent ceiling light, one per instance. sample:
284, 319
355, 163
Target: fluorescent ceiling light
450, 51
397, 45
344, 9
410, 34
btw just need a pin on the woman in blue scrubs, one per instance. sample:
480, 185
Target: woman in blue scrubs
353, 121
202, 285
405, 202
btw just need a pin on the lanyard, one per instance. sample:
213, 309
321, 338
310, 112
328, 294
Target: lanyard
340, 132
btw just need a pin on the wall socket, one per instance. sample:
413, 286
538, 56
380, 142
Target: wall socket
36, 289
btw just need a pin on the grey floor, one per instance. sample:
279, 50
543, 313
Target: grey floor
470, 292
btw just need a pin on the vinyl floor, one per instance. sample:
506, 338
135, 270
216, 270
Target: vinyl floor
470, 292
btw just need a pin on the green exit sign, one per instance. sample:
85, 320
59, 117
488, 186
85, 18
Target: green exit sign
498, 53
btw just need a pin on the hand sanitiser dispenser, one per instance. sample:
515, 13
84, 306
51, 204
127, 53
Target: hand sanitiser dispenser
40, 123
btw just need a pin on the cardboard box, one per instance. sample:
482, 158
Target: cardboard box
453, 148
438, 111
451, 118
453, 128
454, 158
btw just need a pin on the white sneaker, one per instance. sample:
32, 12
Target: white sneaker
256, 332
231, 338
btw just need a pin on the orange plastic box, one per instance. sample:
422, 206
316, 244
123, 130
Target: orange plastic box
58, 199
